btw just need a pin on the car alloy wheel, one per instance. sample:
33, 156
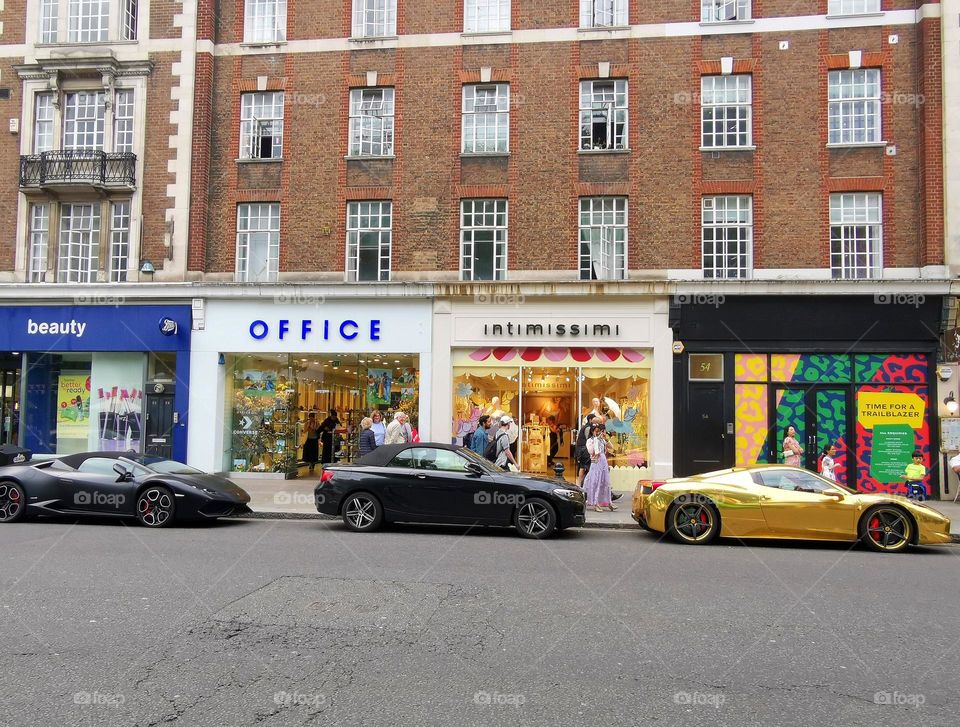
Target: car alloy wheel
362, 512
155, 507
13, 502
887, 529
693, 522
535, 518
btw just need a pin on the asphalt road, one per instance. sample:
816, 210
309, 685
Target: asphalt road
302, 622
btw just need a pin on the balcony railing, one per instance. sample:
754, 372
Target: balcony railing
78, 167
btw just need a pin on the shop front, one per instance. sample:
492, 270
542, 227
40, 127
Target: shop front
262, 369
852, 373
82, 378
549, 366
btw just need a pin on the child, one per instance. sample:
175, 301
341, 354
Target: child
914, 474
827, 462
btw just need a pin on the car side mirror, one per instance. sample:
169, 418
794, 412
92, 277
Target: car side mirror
833, 493
474, 468
125, 475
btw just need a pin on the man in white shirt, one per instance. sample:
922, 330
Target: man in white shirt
396, 431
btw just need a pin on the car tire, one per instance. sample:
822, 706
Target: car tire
535, 518
693, 520
886, 529
362, 512
156, 507
13, 502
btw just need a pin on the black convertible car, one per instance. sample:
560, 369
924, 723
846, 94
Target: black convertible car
443, 483
154, 490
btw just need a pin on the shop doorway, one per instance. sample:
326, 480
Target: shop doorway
548, 406
159, 424
9, 399
820, 416
705, 428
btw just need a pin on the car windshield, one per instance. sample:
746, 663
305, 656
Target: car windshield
159, 465
482, 461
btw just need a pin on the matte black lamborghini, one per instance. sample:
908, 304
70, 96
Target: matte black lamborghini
154, 490
442, 483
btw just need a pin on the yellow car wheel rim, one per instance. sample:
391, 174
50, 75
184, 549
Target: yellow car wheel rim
889, 529
693, 521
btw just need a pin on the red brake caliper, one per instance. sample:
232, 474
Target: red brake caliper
874, 524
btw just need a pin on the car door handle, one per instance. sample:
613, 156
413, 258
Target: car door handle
421, 477
765, 498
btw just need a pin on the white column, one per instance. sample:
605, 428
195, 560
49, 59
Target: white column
441, 383
661, 394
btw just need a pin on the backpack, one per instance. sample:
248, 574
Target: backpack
820, 464
492, 451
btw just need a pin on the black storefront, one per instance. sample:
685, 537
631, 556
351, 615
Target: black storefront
854, 371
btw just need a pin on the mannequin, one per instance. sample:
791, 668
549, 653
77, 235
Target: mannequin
494, 409
595, 411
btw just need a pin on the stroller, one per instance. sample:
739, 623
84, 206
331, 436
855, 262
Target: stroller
916, 490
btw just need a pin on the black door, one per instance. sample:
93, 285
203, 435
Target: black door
704, 438
158, 439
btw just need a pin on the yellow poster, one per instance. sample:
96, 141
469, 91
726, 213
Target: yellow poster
73, 406
886, 407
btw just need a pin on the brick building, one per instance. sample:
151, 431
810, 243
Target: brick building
571, 185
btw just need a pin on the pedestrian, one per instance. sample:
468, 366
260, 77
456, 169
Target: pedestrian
597, 480
378, 426
580, 456
368, 440
409, 434
827, 462
396, 432
481, 435
311, 444
791, 447
327, 428
554, 432
914, 474
504, 455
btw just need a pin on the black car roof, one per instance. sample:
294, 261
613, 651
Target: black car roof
75, 460
384, 454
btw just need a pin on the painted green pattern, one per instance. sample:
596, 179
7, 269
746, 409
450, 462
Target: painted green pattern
832, 426
814, 368
790, 410
866, 365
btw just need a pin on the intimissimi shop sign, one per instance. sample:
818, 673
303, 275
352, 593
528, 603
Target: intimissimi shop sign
560, 330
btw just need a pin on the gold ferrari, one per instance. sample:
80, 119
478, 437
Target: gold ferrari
777, 501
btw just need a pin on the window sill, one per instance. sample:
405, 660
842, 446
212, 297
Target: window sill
368, 157
505, 35
728, 148
845, 16
603, 28
259, 161
364, 39
715, 23
263, 44
86, 44
591, 152
482, 154
858, 145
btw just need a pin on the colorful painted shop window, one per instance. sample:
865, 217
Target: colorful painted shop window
751, 423
886, 368
751, 366
810, 368
892, 423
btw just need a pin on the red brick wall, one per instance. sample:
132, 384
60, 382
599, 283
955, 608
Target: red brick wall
157, 153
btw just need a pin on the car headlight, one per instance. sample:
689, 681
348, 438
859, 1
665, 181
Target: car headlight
569, 494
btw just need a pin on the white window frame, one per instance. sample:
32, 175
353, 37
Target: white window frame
604, 13
854, 108
87, 21
483, 222
119, 241
486, 16
264, 21
44, 116
853, 7
258, 226
371, 122
84, 121
726, 235
369, 226
261, 117
374, 18
602, 238
606, 99
725, 101
78, 257
39, 241
856, 235
123, 120
485, 126
724, 11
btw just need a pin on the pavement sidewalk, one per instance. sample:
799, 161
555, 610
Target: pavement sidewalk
277, 498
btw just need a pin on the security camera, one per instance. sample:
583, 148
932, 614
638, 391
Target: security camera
944, 373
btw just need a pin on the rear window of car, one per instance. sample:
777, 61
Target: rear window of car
403, 459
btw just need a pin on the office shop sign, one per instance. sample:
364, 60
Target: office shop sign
308, 329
